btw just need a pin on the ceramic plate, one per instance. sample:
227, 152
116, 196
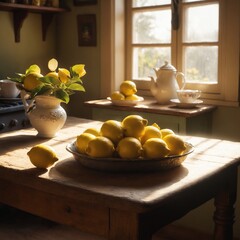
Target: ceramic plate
126, 102
186, 105
130, 165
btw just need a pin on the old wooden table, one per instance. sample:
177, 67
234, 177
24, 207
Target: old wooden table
118, 205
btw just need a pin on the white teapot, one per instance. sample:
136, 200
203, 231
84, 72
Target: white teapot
165, 86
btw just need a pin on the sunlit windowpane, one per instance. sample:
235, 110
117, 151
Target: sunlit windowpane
144, 3
152, 27
145, 59
201, 23
201, 64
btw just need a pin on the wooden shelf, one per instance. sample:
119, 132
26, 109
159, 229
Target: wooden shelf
20, 13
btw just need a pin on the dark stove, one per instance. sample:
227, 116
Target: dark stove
12, 115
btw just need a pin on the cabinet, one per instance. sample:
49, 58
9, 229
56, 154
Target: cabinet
196, 121
20, 13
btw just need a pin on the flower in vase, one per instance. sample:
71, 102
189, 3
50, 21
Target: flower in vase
59, 82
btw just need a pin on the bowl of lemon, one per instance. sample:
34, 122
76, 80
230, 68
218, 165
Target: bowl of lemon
129, 145
126, 95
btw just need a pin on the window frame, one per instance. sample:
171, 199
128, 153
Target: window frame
226, 91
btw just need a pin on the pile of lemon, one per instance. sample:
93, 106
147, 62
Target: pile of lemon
127, 92
130, 138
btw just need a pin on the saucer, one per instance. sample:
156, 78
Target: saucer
186, 105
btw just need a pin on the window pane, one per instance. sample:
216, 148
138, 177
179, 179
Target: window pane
144, 3
145, 59
201, 64
152, 27
201, 23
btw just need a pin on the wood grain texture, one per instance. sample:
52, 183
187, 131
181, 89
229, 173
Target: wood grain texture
138, 203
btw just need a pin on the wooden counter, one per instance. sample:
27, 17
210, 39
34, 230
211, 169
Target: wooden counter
129, 206
151, 106
191, 121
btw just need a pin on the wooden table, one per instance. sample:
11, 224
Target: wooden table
118, 205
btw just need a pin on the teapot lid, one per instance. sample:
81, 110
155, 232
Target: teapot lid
168, 66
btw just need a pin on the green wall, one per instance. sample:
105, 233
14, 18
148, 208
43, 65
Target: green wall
62, 43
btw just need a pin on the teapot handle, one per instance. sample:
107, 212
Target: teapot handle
181, 80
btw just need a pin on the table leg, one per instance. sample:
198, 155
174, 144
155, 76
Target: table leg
224, 203
125, 225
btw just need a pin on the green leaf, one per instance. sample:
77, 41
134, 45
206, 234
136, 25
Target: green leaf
42, 90
33, 68
50, 80
76, 87
62, 94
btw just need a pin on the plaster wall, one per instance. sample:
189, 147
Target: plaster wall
62, 43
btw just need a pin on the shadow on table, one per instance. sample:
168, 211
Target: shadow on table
72, 171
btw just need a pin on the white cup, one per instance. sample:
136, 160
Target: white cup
8, 89
188, 96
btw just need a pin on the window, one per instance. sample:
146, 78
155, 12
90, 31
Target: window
199, 37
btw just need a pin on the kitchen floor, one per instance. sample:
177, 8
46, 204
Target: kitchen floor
19, 225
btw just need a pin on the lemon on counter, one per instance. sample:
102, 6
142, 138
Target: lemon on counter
100, 147
133, 125
175, 143
82, 142
133, 97
128, 88
155, 148
129, 147
117, 96
42, 156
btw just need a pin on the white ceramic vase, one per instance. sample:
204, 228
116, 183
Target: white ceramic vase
47, 116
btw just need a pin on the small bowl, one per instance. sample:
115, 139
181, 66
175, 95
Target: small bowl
8, 89
188, 95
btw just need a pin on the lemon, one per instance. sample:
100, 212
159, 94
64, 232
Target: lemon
155, 148
166, 131
175, 143
132, 97
128, 88
31, 81
64, 75
150, 132
113, 130
52, 74
82, 142
129, 147
93, 131
42, 156
100, 147
52, 64
117, 96
134, 125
